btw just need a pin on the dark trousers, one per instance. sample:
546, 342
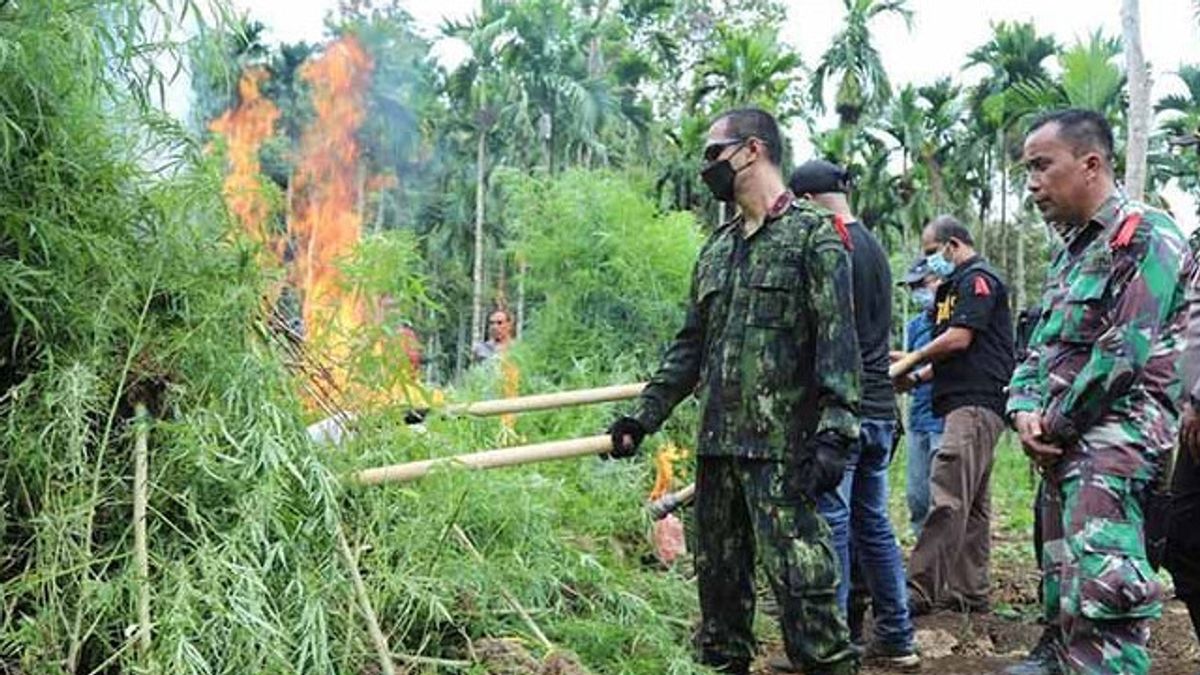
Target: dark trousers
1183, 535
949, 564
747, 509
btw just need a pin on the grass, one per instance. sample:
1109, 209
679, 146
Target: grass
1013, 490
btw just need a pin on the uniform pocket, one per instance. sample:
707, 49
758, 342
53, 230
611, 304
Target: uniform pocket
708, 281
773, 297
1083, 310
1115, 579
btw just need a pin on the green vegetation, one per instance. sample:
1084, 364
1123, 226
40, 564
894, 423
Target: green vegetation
568, 142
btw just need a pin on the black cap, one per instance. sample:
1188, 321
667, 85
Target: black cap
818, 176
917, 273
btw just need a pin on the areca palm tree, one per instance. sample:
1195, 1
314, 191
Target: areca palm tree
1180, 115
748, 68
864, 82
1090, 78
1015, 54
1138, 138
481, 88
1182, 111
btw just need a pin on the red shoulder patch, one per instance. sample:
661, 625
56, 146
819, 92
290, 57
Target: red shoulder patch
1126, 231
839, 224
982, 288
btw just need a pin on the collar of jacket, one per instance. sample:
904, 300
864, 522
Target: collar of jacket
968, 265
1111, 214
782, 204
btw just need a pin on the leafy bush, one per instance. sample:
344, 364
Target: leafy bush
121, 284
608, 273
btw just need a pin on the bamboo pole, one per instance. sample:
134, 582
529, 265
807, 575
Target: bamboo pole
508, 597
141, 552
364, 603
562, 399
665, 505
488, 459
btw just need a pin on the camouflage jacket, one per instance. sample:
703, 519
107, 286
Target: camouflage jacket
1189, 365
1101, 363
768, 344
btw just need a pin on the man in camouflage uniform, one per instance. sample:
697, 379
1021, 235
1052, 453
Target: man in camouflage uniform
1094, 401
769, 348
1183, 537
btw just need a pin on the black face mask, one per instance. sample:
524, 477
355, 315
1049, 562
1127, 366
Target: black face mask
719, 176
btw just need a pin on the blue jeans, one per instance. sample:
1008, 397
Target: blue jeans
857, 512
922, 448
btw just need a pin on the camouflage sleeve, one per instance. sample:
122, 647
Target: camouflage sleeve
677, 373
1024, 389
1144, 290
1190, 363
837, 362
1026, 385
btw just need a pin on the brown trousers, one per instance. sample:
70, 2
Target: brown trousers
949, 565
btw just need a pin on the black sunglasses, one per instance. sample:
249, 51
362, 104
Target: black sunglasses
713, 151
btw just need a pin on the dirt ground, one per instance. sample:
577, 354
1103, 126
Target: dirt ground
960, 644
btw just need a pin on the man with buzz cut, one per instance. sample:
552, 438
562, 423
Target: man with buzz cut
971, 357
1095, 400
768, 346
857, 510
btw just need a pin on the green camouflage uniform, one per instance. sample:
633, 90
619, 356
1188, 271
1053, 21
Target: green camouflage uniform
1101, 369
769, 348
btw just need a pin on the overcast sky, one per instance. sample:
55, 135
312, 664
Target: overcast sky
942, 34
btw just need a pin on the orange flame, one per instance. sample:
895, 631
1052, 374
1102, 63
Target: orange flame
510, 379
664, 464
244, 128
326, 222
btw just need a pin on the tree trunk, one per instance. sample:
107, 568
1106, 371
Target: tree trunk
477, 276
522, 270
1019, 279
464, 347
1003, 233
985, 202
1139, 101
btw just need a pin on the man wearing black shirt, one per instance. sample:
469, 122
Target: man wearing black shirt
857, 511
972, 360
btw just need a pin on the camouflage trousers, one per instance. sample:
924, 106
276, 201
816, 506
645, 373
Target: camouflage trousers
747, 509
1097, 586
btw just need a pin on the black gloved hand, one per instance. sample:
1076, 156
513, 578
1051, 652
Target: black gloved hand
824, 464
627, 434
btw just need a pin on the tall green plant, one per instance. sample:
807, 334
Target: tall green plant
125, 286
600, 257
864, 84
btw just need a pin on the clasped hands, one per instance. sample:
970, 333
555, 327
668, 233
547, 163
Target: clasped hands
1032, 432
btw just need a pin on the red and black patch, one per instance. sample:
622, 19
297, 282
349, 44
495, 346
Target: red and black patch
982, 287
1125, 232
839, 224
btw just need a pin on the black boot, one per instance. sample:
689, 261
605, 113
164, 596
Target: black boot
724, 664
1193, 605
1043, 658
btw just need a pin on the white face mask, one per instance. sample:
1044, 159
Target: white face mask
939, 264
923, 297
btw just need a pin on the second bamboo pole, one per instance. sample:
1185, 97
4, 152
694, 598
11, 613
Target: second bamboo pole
141, 548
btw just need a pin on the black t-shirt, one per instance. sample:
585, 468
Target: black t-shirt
974, 297
873, 320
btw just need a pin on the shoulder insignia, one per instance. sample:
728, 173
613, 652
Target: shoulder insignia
982, 288
839, 224
1125, 232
